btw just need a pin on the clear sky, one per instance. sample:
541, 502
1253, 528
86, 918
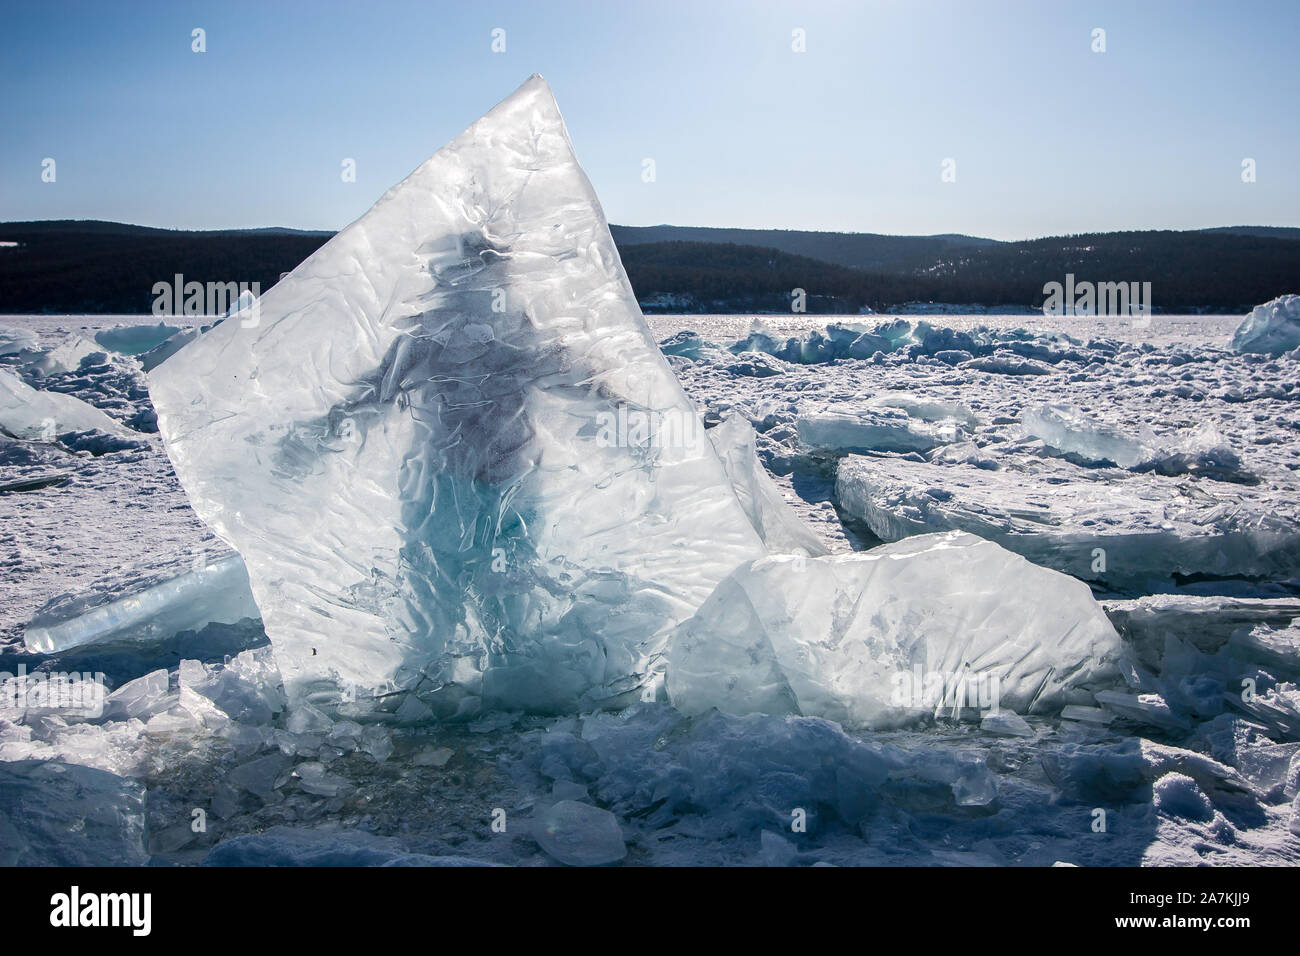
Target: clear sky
1048, 137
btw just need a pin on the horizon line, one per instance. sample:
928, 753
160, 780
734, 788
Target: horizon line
667, 225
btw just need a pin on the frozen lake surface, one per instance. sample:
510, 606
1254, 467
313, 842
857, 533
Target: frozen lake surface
1203, 511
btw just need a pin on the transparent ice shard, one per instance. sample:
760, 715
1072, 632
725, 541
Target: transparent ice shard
135, 339
1073, 431
1271, 328
453, 458
935, 624
34, 415
14, 340
781, 529
151, 606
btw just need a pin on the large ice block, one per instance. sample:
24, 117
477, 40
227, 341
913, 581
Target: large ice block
873, 428
935, 624
457, 466
135, 339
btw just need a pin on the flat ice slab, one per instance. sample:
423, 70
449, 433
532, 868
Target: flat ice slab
150, 606
1130, 533
449, 450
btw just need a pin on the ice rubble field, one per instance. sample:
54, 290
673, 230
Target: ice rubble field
1204, 778
499, 598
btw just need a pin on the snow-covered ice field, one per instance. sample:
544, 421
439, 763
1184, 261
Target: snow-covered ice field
1008, 427
518, 579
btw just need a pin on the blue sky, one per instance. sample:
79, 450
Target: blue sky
1048, 137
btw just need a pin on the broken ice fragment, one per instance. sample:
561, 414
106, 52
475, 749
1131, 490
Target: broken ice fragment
314, 779
578, 834
1006, 724
1133, 533
141, 698
878, 428
1087, 715
261, 776
433, 757
1074, 432
935, 624
134, 339
452, 456
1271, 328
34, 415
66, 357
1148, 709
781, 529
14, 340
151, 606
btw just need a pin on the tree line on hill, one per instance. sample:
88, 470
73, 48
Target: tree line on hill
94, 267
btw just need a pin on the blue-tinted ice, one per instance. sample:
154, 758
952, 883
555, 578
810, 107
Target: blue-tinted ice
457, 466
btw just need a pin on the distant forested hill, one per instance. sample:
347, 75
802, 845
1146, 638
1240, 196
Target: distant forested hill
856, 250
713, 277
103, 267
1226, 271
